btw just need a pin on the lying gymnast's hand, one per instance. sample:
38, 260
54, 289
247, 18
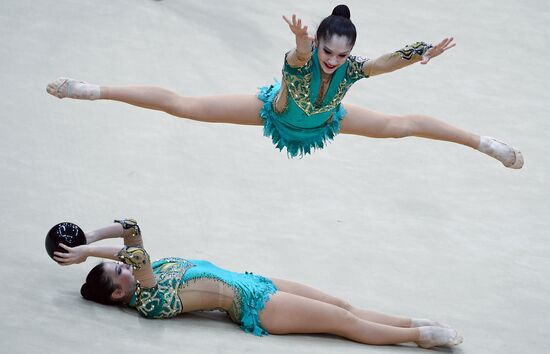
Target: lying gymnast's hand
74, 255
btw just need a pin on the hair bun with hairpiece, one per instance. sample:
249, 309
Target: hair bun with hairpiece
341, 10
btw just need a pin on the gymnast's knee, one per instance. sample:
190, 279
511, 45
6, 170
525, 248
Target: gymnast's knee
184, 107
400, 126
343, 304
345, 324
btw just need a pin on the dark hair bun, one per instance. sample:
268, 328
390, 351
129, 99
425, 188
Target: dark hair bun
85, 291
341, 10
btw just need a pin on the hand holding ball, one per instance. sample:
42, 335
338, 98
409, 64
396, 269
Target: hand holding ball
66, 233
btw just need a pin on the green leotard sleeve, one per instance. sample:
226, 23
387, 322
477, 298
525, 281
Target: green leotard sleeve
399, 59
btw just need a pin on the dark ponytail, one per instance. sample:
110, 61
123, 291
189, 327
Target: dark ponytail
338, 23
98, 286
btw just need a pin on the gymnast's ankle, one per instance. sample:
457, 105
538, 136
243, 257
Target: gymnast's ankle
420, 322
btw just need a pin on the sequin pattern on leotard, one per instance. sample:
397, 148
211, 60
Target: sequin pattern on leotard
306, 123
251, 292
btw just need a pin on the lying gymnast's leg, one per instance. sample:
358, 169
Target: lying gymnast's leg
288, 313
312, 293
369, 315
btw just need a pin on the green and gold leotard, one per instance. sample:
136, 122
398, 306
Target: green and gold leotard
171, 286
298, 115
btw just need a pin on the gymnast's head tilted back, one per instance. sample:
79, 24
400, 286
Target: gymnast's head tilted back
109, 283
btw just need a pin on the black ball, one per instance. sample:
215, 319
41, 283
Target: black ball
66, 233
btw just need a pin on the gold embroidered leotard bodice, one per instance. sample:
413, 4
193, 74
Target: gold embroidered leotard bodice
172, 286
302, 113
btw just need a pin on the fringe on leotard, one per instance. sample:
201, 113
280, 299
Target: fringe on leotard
258, 293
251, 291
305, 139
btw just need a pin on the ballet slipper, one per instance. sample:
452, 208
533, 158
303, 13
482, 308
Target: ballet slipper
422, 322
432, 336
66, 87
508, 155
518, 162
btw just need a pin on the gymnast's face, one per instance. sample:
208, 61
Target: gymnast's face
333, 53
122, 278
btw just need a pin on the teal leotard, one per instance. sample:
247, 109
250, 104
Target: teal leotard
306, 124
172, 274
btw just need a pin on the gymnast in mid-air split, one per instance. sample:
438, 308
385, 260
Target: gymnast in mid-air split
260, 305
305, 110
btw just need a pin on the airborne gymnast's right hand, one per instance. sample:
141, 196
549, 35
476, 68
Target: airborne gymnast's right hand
303, 39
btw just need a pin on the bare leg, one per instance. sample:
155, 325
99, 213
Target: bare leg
288, 313
312, 293
235, 109
362, 121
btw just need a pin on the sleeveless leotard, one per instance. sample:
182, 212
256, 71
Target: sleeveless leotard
197, 285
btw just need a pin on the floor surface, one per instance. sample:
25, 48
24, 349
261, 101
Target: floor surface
412, 227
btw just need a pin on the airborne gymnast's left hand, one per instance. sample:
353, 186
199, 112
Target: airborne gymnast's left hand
445, 44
